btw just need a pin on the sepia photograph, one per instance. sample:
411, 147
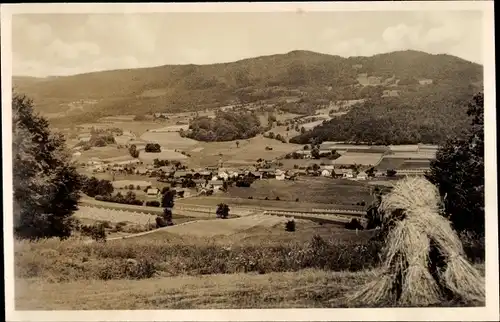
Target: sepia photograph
250, 161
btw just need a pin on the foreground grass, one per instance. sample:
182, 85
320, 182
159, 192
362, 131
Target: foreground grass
309, 288
169, 254
301, 289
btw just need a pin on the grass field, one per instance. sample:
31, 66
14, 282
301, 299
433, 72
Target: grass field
148, 157
248, 152
213, 201
170, 140
307, 190
303, 289
290, 163
105, 152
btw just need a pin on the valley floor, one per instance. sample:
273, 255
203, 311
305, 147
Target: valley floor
302, 289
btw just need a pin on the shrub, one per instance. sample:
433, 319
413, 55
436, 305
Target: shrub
277, 198
153, 203
354, 224
97, 232
290, 225
222, 211
160, 222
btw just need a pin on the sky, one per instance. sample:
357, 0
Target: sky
65, 44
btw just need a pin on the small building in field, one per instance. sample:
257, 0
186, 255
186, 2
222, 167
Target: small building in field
217, 184
223, 175
326, 173
153, 192
180, 174
141, 171
361, 176
279, 175
343, 173
255, 174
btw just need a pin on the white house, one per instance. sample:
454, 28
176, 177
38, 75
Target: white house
77, 154
217, 185
361, 176
215, 178
153, 192
326, 173
348, 174
280, 176
223, 175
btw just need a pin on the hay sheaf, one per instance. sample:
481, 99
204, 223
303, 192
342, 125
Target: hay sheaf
410, 277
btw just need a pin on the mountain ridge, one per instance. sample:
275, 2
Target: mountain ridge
292, 52
270, 78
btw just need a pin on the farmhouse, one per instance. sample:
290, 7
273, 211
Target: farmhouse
267, 173
326, 173
343, 173
361, 176
223, 175
141, 171
181, 174
279, 175
255, 174
217, 184
153, 192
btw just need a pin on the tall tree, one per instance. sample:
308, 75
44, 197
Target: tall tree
458, 171
133, 151
46, 184
167, 203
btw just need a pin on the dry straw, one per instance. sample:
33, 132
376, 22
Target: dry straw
411, 211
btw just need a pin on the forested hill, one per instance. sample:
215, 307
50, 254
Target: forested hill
428, 115
310, 76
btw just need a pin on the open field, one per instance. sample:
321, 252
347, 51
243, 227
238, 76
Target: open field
105, 152
302, 289
248, 152
230, 226
260, 204
117, 118
148, 157
311, 125
290, 163
365, 159
121, 184
172, 140
308, 190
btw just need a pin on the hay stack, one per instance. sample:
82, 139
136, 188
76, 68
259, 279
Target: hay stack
415, 228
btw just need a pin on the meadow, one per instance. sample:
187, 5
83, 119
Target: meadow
203, 264
307, 190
